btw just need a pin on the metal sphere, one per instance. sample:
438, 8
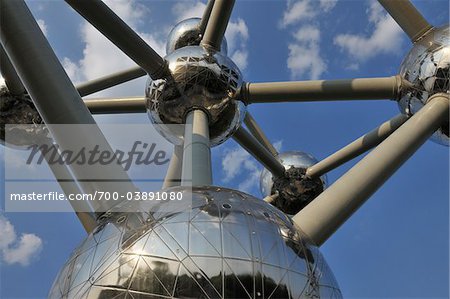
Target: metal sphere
187, 33
226, 245
200, 80
23, 120
295, 190
427, 67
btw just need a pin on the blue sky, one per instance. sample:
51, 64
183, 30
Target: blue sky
396, 245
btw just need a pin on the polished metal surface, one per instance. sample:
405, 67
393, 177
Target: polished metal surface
19, 112
187, 33
288, 159
227, 245
427, 67
200, 80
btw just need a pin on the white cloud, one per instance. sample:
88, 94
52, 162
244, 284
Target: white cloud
14, 250
385, 38
300, 10
304, 58
186, 9
43, 26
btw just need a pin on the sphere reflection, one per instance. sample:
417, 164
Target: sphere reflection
427, 67
228, 245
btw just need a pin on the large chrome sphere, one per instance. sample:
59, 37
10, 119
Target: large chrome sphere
187, 33
427, 67
227, 245
295, 190
23, 120
200, 80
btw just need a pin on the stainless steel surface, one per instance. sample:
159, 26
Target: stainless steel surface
407, 17
118, 32
288, 159
324, 215
196, 169
188, 33
255, 129
173, 175
105, 82
227, 245
323, 90
200, 81
259, 152
205, 16
217, 24
8, 72
54, 95
115, 105
294, 190
357, 147
427, 67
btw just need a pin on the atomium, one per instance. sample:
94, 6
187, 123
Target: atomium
427, 67
295, 190
20, 122
199, 80
227, 245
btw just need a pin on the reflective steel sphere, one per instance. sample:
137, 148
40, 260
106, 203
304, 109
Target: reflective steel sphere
427, 67
187, 33
200, 80
23, 120
295, 190
227, 245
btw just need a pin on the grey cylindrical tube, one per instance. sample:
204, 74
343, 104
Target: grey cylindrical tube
325, 214
407, 17
116, 105
119, 33
357, 147
217, 24
56, 99
256, 130
105, 82
8, 72
259, 152
323, 90
197, 153
205, 17
69, 186
173, 176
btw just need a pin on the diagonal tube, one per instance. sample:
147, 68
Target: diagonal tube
325, 214
8, 72
105, 82
357, 147
256, 130
407, 17
56, 99
119, 33
217, 24
324, 90
205, 17
259, 152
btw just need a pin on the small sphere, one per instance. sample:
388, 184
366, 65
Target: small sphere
295, 190
227, 244
187, 33
199, 80
427, 67
20, 122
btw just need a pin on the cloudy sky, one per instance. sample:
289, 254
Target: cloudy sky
396, 245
